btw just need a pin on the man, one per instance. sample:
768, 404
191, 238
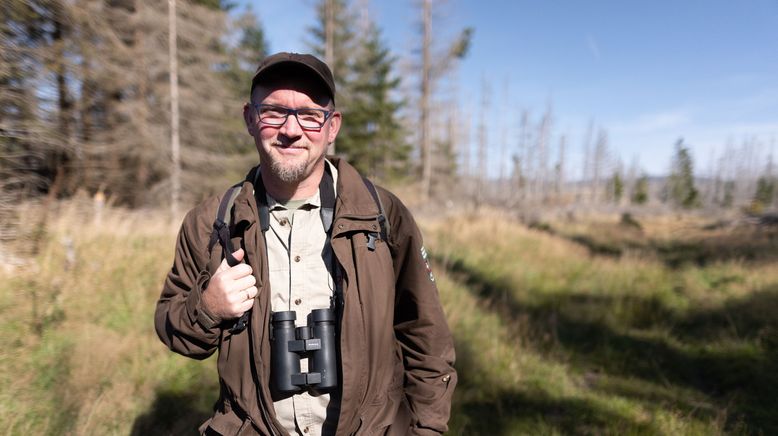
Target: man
394, 352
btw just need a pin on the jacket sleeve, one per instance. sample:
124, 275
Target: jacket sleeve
180, 322
420, 326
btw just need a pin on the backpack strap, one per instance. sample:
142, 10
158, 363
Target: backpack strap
382, 221
327, 196
221, 234
221, 225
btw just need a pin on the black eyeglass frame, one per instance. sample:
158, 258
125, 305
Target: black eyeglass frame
289, 111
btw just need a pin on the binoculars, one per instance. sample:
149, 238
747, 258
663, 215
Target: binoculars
289, 343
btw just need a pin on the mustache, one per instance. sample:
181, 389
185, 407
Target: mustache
288, 144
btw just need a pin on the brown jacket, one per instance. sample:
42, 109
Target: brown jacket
397, 352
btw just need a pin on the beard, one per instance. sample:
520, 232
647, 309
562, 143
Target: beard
289, 172
293, 171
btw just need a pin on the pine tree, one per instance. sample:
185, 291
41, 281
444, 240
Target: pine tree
728, 199
333, 42
24, 134
372, 137
680, 187
615, 187
105, 123
241, 63
640, 191
765, 192
766, 187
251, 48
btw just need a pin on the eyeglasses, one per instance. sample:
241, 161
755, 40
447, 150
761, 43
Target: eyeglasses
308, 118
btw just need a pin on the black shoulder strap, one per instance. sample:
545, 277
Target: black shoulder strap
327, 196
221, 225
382, 221
221, 233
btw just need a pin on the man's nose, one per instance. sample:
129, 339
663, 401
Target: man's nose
291, 128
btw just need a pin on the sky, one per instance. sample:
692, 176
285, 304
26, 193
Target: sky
647, 72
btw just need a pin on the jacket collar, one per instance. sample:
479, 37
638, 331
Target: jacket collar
245, 204
354, 200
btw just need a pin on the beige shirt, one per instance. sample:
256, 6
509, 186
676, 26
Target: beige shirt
300, 259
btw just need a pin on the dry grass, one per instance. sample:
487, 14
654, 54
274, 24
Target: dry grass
79, 351
635, 345
551, 338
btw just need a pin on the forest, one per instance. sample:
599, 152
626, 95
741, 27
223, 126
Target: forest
586, 296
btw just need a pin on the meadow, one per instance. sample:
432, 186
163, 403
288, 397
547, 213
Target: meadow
571, 327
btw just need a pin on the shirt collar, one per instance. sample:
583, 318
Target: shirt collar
312, 202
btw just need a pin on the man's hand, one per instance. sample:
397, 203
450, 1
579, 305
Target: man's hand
231, 290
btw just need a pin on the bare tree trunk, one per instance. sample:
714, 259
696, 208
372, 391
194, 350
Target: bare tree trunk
587, 159
522, 163
329, 34
426, 147
87, 163
559, 170
466, 171
329, 46
630, 180
502, 188
482, 144
543, 145
175, 173
600, 155
62, 158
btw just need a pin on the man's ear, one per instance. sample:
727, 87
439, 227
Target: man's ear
251, 126
335, 120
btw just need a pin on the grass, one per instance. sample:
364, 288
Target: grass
552, 337
79, 353
606, 345
675, 240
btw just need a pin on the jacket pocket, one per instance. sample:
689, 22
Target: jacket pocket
381, 413
227, 423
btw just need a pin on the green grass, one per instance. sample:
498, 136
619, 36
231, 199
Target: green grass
603, 345
551, 338
79, 352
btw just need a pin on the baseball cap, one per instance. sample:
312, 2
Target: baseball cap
305, 62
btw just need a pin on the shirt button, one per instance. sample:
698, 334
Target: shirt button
446, 378
283, 221
305, 430
298, 301
297, 258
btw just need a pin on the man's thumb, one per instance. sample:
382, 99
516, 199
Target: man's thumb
237, 254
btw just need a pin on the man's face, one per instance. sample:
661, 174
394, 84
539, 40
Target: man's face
292, 152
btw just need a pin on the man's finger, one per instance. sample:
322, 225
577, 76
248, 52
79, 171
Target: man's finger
239, 271
243, 282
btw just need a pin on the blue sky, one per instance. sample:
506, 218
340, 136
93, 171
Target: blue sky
648, 72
